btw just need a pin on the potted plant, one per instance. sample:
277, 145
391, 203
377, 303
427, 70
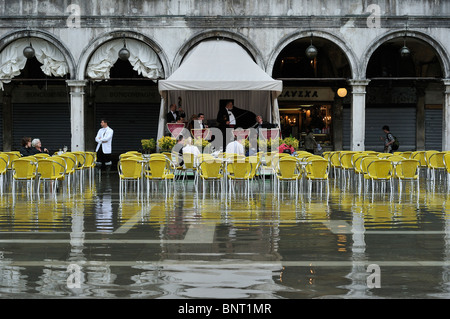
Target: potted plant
166, 143
148, 145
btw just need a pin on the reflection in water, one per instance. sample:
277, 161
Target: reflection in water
195, 244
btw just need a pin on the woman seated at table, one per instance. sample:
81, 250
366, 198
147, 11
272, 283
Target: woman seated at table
36, 147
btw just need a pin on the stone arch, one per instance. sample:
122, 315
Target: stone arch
224, 34
118, 34
441, 52
10, 37
349, 53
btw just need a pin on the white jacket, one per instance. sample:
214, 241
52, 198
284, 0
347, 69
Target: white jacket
104, 139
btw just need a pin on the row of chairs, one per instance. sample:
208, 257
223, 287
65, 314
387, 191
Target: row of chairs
43, 169
370, 166
225, 170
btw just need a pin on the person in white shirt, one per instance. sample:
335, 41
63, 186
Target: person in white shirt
235, 147
191, 149
104, 145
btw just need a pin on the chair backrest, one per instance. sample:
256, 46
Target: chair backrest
380, 169
71, 162
24, 168
447, 161
428, 154
357, 162
157, 167
241, 169
4, 163
395, 158
211, 168
41, 155
288, 167
334, 159
13, 156
436, 160
130, 168
49, 168
317, 168
189, 160
384, 155
346, 159
420, 156
255, 160
407, 168
90, 159
81, 159
365, 163
268, 158
406, 154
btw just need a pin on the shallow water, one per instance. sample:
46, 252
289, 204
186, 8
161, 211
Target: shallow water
94, 243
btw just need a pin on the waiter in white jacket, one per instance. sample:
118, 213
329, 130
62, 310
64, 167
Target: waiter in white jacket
104, 144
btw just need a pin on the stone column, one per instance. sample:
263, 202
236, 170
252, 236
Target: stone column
420, 117
446, 117
358, 114
77, 114
7, 119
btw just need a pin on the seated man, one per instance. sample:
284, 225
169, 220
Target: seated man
235, 147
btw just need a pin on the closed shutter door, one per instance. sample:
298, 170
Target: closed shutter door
1, 129
346, 125
48, 122
131, 123
401, 121
433, 129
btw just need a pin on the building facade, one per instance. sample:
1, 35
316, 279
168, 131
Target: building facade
390, 56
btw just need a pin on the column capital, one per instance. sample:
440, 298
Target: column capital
447, 85
76, 83
359, 82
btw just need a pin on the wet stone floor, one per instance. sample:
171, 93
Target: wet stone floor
330, 242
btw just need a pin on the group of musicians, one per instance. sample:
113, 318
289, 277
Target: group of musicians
228, 116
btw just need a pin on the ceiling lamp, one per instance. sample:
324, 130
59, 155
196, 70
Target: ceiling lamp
404, 51
342, 92
311, 51
124, 53
28, 51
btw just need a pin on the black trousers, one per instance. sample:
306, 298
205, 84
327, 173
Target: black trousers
103, 158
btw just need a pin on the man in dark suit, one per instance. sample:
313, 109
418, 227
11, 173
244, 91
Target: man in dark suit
231, 116
173, 115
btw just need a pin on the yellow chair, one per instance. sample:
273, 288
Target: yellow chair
159, 169
335, 163
25, 170
89, 164
447, 166
71, 164
288, 171
345, 159
436, 164
4, 163
129, 170
379, 170
317, 170
50, 170
364, 163
267, 162
190, 164
255, 160
384, 155
239, 170
211, 169
407, 169
41, 155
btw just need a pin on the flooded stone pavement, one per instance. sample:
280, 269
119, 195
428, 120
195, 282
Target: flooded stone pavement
95, 243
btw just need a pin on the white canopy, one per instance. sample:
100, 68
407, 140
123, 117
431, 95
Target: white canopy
220, 69
12, 60
143, 59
